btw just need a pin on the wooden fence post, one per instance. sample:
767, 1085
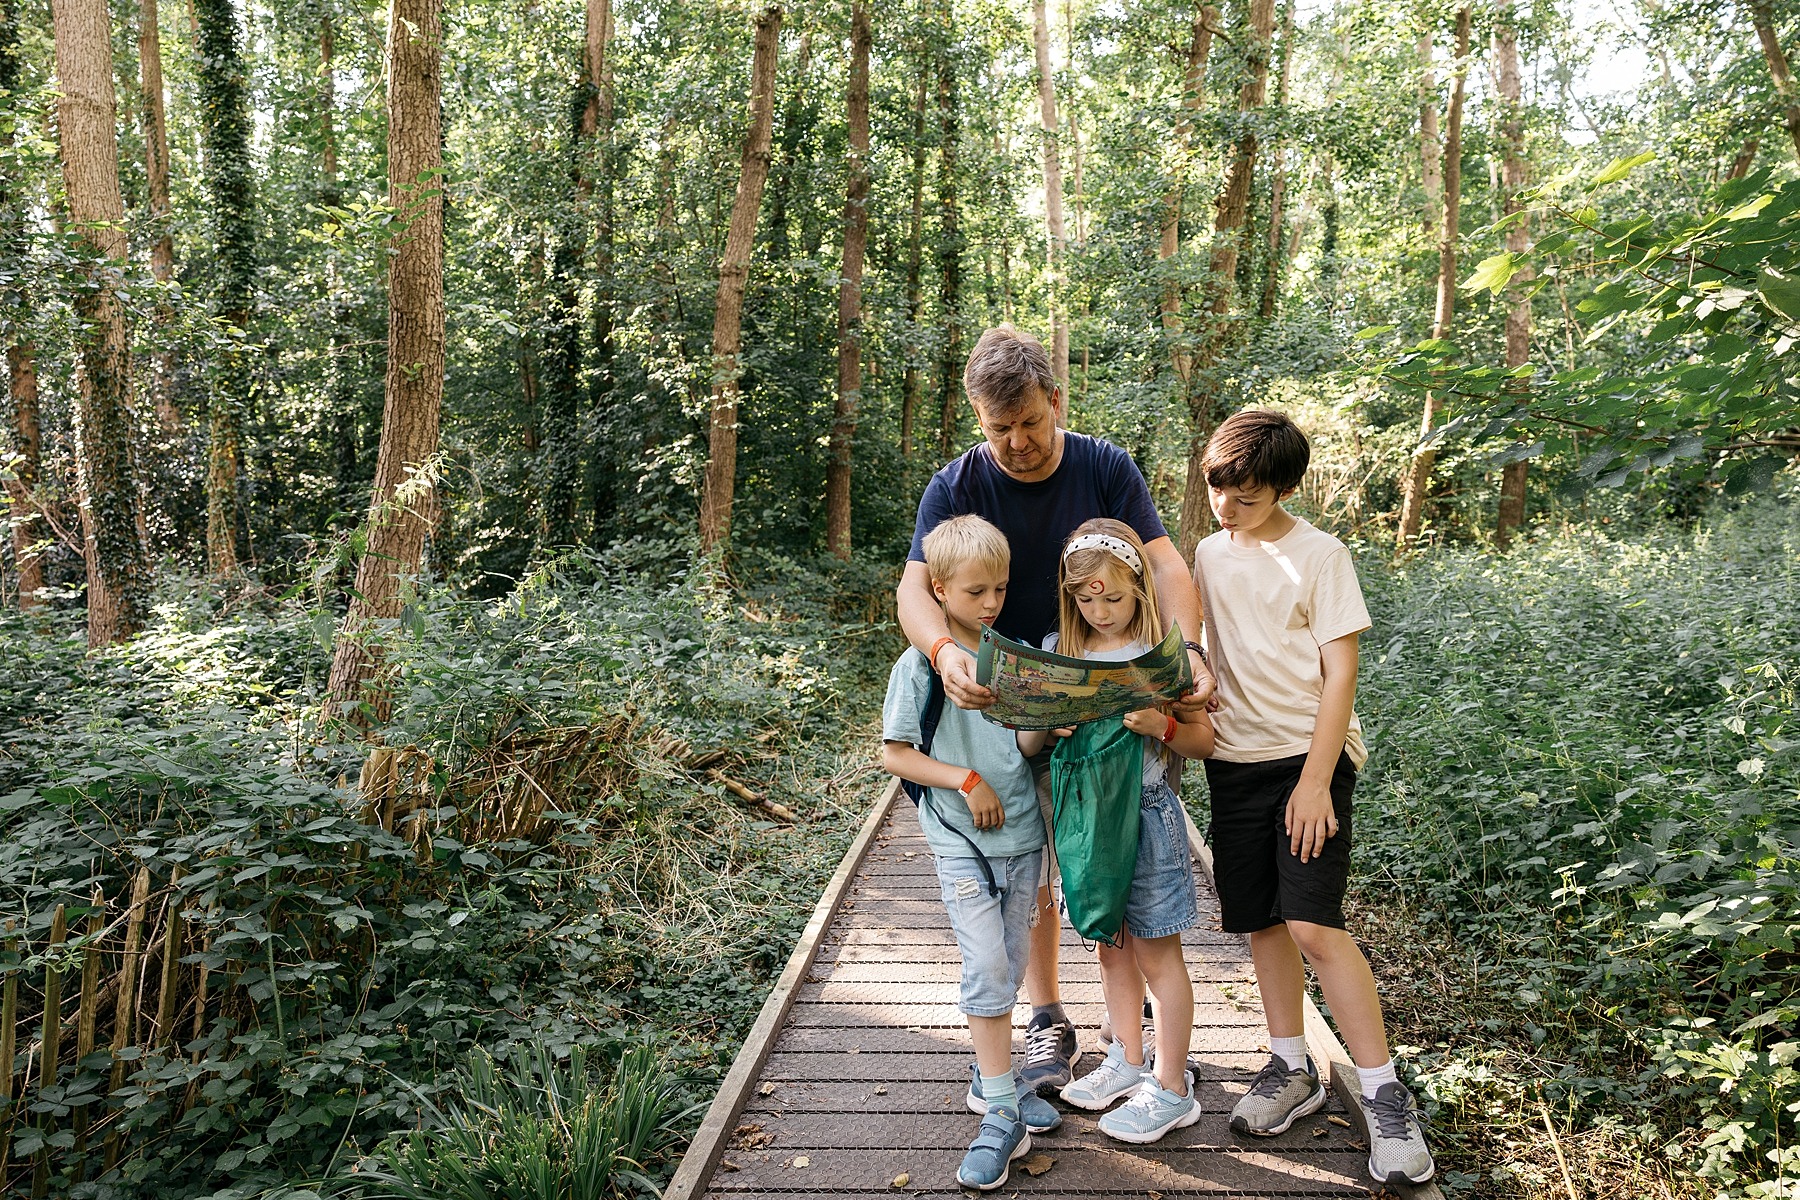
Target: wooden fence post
88, 1014
125, 1004
9, 1018
50, 1047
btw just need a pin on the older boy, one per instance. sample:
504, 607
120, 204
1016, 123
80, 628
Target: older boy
1283, 612
981, 820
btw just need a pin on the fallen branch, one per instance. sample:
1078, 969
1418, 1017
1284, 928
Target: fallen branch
779, 811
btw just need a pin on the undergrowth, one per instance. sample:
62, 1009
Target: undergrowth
556, 861
1578, 850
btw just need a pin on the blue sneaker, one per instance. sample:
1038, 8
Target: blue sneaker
1037, 1113
1003, 1137
1151, 1113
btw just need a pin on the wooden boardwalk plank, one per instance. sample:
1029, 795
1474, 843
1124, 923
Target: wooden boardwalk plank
863, 1075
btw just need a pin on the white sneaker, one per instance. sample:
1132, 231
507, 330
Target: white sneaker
1113, 1078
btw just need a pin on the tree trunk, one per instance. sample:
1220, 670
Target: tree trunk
340, 379
1278, 176
162, 250
734, 271
1193, 94
402, 505
949, 231
105, 466
912, 385
1431, 148
225, 133
856, 236
601, 481
1511, 515
21, 354
1418, 477
1746, 158
1228, 222
1762, 14
1058, 245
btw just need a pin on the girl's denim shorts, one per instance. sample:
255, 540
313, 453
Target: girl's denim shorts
1162, 899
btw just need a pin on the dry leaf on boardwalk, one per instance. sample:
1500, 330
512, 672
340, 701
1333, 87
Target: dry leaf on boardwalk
1037, 1164
1338, 1121
801, 1162
901, 1180
767, 1089
882, 1090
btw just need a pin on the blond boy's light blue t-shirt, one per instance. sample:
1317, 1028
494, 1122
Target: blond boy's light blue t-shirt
964, 738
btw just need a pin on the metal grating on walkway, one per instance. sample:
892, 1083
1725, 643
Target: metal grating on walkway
864, 1075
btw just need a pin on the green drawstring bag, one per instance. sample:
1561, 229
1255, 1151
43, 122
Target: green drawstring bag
1097, 780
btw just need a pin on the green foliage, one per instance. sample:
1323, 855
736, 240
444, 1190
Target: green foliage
352, 970
540, 1129
1585, 782
1707, 307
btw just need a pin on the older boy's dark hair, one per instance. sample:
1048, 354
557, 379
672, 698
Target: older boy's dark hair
1256, 448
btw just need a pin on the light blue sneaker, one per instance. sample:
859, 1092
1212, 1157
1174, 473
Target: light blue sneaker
1151, 1113
1037, 1113
1003, 1137
1114, 1077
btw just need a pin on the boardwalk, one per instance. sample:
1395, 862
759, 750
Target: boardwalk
857, 1076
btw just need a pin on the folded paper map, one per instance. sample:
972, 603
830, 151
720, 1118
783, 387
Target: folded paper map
1036, 689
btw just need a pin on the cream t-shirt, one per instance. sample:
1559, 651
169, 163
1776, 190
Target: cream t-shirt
1268, 609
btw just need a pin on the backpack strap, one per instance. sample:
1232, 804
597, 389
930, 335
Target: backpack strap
920, 795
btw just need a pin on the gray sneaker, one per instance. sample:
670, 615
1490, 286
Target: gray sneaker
1113, 1078
1277, 1098
1397, 1150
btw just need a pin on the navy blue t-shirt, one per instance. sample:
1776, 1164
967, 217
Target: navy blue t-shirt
1094, 479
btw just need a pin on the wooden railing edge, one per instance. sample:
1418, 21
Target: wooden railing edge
704, 1152
1321, 1040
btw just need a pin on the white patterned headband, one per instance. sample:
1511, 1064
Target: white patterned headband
1119, 548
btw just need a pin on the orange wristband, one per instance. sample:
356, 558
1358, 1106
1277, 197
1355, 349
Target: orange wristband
935, 647
1169, 733
969, 783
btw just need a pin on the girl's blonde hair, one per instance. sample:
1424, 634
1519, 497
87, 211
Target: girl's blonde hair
1079, 567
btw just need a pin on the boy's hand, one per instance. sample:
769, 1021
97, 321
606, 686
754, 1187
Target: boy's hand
985, 809
1311, 822
1151, 722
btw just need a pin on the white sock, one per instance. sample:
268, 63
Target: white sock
1291, 1051
1372, 1078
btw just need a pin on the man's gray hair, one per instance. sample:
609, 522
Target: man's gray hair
1003, 368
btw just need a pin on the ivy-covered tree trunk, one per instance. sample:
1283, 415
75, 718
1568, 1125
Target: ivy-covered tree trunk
1193, 97
105, 466
21, 353
602, 483
1221, 285
1448, 212
856, 236
403, 505
734, 271
225, 134
1056, 249
912, 385
949, 231
156, 179
1511, 515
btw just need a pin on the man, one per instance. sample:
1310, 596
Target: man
1037, 481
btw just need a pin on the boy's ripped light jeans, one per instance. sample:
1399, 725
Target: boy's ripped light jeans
992, 932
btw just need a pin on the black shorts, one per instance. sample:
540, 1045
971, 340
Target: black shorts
1261, 881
